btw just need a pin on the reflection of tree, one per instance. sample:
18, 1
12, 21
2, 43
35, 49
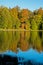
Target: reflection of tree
35, 40
1, 40
15, 40
38, 43
42, 39
33, 37
7, 40
23, 40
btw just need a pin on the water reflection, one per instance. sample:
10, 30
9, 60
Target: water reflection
11, 40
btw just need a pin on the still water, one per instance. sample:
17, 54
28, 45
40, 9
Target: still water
12, 40
27, 44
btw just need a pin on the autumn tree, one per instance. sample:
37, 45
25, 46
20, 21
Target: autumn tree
6, 18
14, 13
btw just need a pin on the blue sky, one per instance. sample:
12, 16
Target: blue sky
30, 4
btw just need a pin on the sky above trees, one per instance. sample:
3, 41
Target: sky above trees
30, 4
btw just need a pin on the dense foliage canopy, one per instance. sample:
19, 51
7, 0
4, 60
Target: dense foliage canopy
15, 18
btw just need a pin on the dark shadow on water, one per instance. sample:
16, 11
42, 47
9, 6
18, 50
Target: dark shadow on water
9, 60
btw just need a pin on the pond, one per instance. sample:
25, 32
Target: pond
12, 40
27, 44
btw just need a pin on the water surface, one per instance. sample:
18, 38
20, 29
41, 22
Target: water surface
12, 40
23, 44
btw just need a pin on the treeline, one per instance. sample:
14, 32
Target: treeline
16, 18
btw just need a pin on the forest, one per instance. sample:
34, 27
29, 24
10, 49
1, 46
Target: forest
16, 18
21, 19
